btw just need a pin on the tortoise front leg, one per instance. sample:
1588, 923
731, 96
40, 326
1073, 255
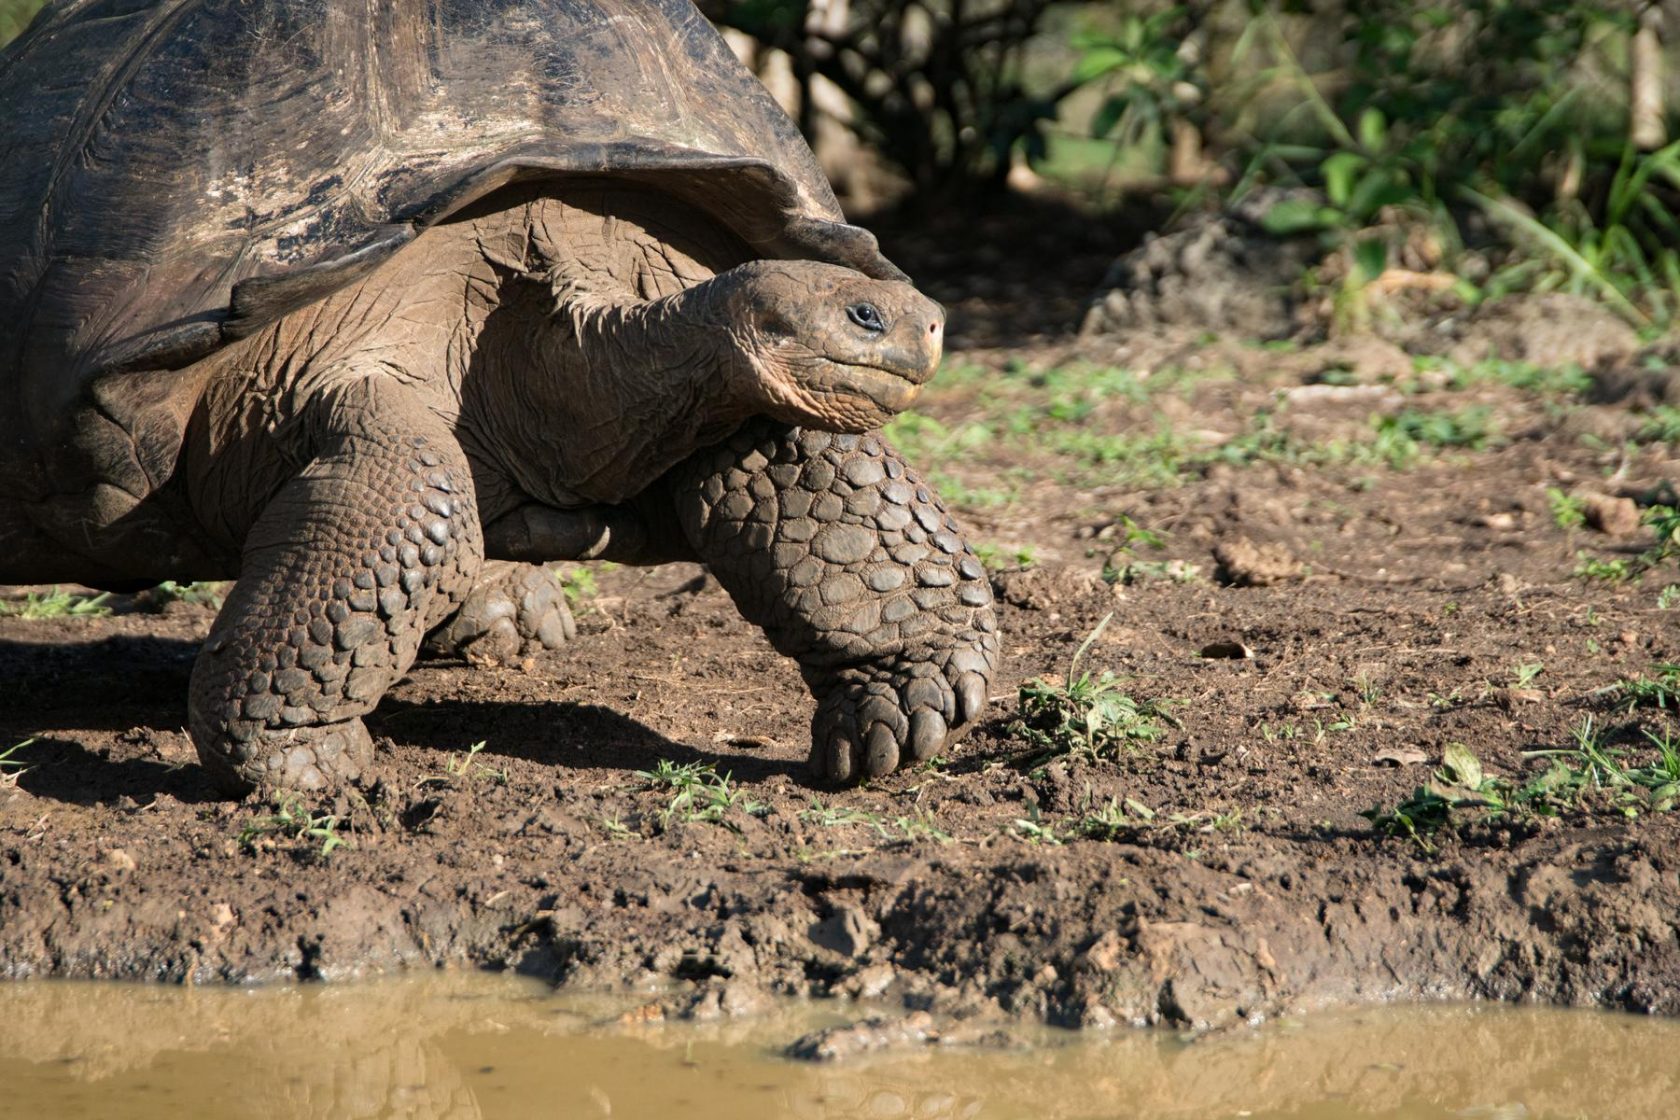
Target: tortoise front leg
368, 547
852, 566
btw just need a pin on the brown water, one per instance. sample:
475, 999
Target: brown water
475, 1046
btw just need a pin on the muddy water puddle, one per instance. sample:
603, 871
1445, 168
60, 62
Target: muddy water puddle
472, 1046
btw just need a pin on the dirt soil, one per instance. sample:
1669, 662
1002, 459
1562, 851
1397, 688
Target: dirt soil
1362, 602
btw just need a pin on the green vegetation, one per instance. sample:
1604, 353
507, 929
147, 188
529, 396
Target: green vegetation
920, 825
997, 558
1121, 820
1086, 715
1503, 145
1101, 426
10, 765
1660, 690
15, 16
1567, 380
57, 604
1584, 776
1568, 511
1123, 565
464, 767
198, 594
698, 793
577, 584
1662, 425
842, 816
1034, 829
314, 833
1444, 109
1664, 523
1128, 819
1401, 436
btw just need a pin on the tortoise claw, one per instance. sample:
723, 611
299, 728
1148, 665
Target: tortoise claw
873, 720
512, 611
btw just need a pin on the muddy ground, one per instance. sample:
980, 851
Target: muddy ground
1325, 563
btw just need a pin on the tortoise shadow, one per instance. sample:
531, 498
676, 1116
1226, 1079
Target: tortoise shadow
110, 684
561, 734
118, 682
66, 771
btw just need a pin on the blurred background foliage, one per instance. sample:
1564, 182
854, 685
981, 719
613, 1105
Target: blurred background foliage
1489, 145
15, 16
1494, 145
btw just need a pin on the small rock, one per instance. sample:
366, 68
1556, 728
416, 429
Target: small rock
1508, 698
834, 1043
741, 1000
1498, 522
1105, 952
642, 1015
870, 981
120, 859
1617, 517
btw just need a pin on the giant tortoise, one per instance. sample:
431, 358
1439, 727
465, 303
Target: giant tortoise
360, 302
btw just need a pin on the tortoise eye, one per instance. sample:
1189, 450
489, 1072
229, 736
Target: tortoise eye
866, 316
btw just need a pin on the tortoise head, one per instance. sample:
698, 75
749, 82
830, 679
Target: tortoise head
827, 346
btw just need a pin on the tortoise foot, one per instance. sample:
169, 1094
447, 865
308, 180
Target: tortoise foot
512, 611
872, 720
320, 759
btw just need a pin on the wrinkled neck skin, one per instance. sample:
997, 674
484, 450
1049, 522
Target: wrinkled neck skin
595, 395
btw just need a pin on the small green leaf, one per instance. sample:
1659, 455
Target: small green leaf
1099, 61
1377, 188
1371, 258
1373, 130
1461, 767
1339, 171
1298, 215
1104, 120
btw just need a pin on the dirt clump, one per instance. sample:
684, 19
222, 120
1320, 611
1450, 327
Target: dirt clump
1242, 563
1220, 272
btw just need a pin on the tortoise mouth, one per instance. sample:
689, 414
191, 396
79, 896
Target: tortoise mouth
885, 387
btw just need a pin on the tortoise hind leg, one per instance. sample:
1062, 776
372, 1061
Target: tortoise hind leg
512, 611
516, 607
368, 547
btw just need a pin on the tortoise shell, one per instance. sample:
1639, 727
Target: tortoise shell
176, 173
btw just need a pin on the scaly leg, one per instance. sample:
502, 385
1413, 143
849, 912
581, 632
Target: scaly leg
513, 610
852, 566
368, 547
516, 607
